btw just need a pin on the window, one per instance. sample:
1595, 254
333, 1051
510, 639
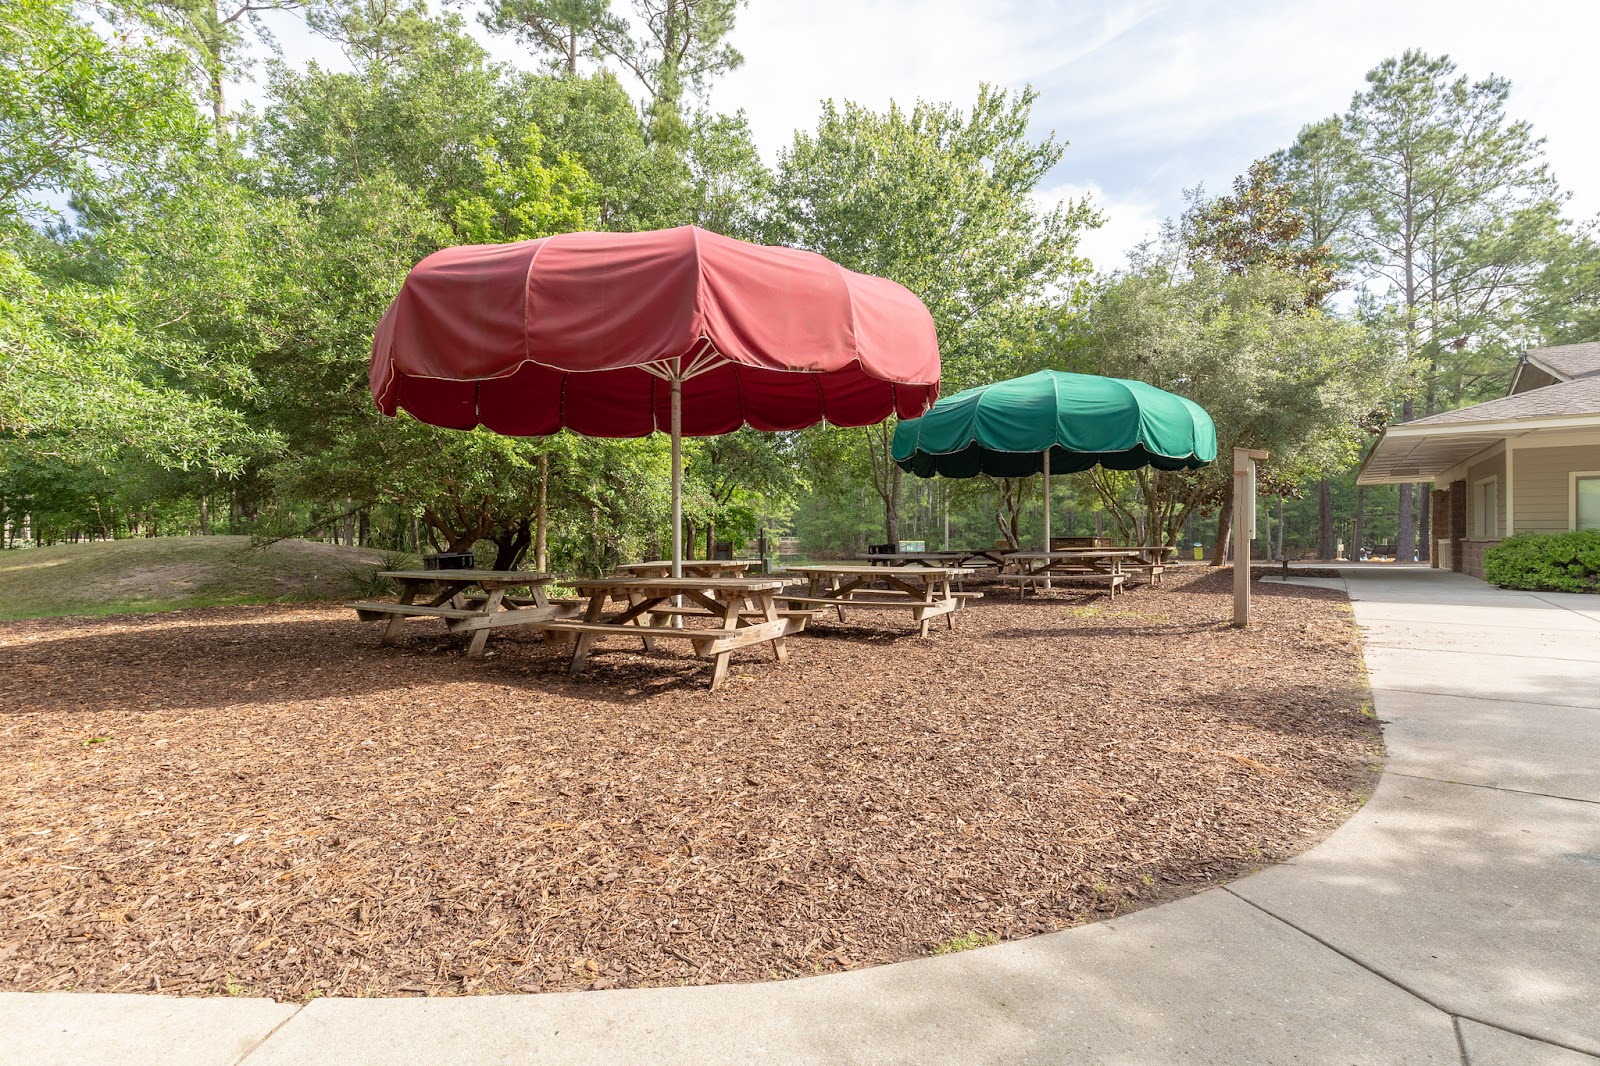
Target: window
1586, 501
1488, 505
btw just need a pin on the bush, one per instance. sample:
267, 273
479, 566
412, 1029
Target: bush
1555, 562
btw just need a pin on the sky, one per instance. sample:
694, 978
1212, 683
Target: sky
1152, 97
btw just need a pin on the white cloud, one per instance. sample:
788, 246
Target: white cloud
797, 55
1128, 221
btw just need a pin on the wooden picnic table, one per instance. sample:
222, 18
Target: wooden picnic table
461, 611
923, 590
1092, 563
742, 611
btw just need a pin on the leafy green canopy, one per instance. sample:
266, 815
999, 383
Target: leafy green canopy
79, 112
941, 200
1270, 371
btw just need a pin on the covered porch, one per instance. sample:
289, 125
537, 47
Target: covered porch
1493, 478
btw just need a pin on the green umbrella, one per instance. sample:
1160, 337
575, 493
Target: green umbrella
1055, 421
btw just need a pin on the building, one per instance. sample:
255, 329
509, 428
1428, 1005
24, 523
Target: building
1527, 462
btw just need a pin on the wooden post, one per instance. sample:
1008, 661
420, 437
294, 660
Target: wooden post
1244, 527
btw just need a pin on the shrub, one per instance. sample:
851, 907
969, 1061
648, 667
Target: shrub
1556, 562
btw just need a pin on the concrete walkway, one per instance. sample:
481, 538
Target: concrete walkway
1455, 919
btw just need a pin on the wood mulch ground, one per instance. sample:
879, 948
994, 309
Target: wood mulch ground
262, 800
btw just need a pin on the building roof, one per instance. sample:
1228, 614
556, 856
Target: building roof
1422, 448
1573, 397
1568, 361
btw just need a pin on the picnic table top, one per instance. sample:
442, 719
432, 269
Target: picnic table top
472, 577
674, 584
876, 571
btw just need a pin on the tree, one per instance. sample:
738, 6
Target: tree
213, 33
1278, 224
1271, 372
941, 201
684, 44
1451, 214
562, 30
1260, 226
79, 112
80, 380
1566, 307
372, 32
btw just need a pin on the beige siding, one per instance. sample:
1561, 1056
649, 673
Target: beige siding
1544, 487
1495, 468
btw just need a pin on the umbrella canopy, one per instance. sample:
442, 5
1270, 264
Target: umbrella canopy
1055, 421
623, 334
587, 330
1080, 420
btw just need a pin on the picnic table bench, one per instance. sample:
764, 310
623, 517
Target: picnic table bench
742, 611
923, 590
460, 610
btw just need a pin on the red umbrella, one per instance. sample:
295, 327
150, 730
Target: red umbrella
623, 334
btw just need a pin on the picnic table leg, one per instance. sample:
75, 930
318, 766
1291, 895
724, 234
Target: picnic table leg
580, 650
634, 599
481, 637
392, 630
730, 622
924, 623
769, 613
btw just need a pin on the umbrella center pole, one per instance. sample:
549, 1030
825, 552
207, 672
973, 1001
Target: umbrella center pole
1047, 516
676, 382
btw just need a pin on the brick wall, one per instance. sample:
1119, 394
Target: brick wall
1470, 556
1439, 523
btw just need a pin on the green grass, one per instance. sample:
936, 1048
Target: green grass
966, 942
142, 575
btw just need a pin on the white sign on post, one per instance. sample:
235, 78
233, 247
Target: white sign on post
1244, 528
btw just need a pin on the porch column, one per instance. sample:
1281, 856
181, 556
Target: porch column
1458, 523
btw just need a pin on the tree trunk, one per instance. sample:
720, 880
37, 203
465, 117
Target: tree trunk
1406, 532
1424, 524
1325, 519
1355, 523
511, 545
1219, 552
1406, 536
205, 524
891, 508
541, 532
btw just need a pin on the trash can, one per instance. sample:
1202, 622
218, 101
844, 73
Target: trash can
448, 561
1199, 551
